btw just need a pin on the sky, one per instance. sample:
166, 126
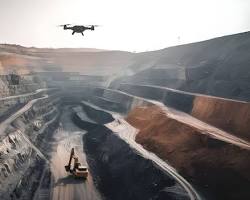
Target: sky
131, 25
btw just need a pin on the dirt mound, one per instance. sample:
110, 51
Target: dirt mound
232, 116
221, 169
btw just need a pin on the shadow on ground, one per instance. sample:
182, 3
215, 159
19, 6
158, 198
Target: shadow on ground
69, 180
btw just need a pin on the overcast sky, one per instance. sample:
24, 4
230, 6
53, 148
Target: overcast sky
133, 25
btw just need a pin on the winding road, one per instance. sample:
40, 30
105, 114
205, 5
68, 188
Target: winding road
127, 132
26, 107
6, 122
185, 118
65, 186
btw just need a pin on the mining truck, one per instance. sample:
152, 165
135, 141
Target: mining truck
77, 170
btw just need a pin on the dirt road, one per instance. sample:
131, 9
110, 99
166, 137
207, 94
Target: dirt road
127, 132
65, 186
10, 119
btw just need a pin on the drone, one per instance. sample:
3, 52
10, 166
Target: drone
78, 28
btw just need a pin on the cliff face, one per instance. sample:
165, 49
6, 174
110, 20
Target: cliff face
229, 115
12, 85
216, 166
21, 160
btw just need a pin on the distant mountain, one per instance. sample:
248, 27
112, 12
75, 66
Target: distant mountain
13, 48
84, 60
219, 67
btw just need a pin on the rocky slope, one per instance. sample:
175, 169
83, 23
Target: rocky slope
14, 84
232, 116
219, 168
23, 137
218, 67
115, 167
112, 162
227, 114
200, 152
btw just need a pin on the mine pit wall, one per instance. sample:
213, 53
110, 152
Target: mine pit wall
108, 104
232, 116
20, 162
182, 101
169, 76
35, 121
66, 80
79, 94
70, 84
229, 115
220, 169
9, 105
18, 168
128, 101
112, 163
96, 114
86, 125
16, 85
113, 100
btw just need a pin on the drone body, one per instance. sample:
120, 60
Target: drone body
78, 28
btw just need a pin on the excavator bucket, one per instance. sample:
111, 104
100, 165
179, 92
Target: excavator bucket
67, 168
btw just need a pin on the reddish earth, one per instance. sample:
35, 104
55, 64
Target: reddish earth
85, 61
101, 63
13, 62
220, 168
19, 62
230, 115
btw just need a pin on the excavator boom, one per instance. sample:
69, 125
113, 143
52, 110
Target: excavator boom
78, 170
72, 153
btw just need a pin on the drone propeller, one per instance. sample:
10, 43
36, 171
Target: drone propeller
64, 24
94, 25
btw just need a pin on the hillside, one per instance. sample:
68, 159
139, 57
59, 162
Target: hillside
219, 67
84, 60
219, 167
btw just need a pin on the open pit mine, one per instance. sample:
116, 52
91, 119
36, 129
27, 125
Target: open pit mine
172, 124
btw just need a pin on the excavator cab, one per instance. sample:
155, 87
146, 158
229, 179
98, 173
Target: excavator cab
78, 170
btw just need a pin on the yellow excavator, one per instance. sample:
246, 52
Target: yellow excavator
78, 170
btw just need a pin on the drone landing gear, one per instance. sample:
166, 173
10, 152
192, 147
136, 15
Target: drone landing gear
73, 32
82, 34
